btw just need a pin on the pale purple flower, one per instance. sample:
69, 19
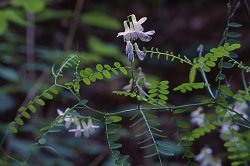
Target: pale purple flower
129, 51
241, 108
134, 29
141, 55
127, 88
197, 117
206, 158
226, 126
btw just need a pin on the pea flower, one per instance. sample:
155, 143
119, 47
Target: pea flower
197, 117
139, 83
78, 131
133, 31
86, 129
141, 55
68, 119
206, 158
129, 51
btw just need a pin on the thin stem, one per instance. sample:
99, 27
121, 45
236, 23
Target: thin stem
170, 55
73, 26
204, 74
231, 110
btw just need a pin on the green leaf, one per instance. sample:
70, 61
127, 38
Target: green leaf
163, 97
227, 65
21, 109
221, 76
86, 81
226, 90
115, 118
233, 35
42, 141
192, 74
115, 146
117, 64
106, 73
12, 129
32, 108
231, 47
39, 102
30, 6
101, 20
83, 102
99, 67
98, 75
179, 111
47, 95
3, 25
210, 63
53, 89
19, 121
123, 70
25, 114
164, 91
234, 25
89, 71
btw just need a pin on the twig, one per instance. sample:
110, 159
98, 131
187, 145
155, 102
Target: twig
73, 26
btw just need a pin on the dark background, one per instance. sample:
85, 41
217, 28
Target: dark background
180, 27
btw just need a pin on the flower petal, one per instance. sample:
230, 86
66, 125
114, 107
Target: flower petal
127, 88
129, 47
141, 55
59, 112
150, 32
144, 37
142, 20
131, 57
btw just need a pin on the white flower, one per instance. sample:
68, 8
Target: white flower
141, 55
90, 128
68, 119
240, 108
198, 118
225, 128
78, 131
205, 158
86, 129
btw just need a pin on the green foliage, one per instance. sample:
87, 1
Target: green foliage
168, 56
27, 110
146, 124
112, 133
8, 15
101, 20
158, 92
189, 87
102, 71
30, 5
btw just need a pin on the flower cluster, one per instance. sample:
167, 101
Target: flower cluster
133, 31
139, 83
81, 126
197, 117
206, 158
